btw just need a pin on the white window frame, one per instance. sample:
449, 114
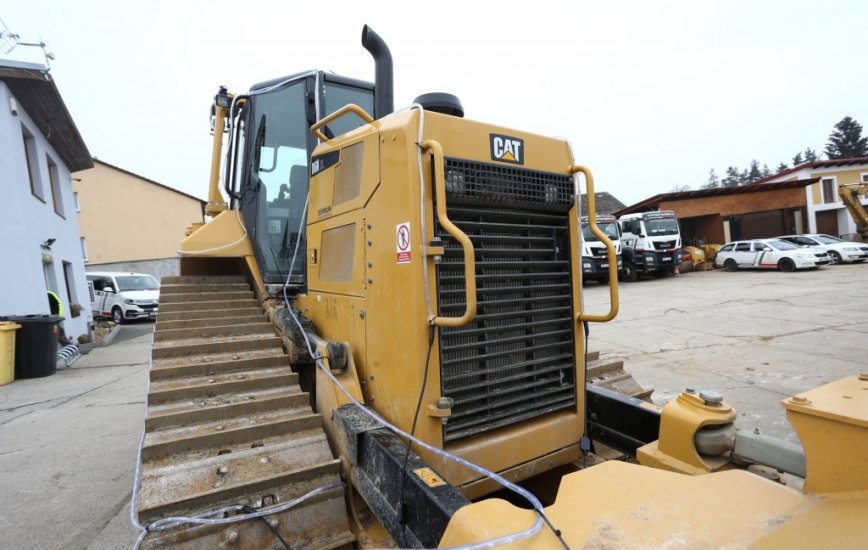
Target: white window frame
863, 177
75, 199
54, 182
83, 249
31, 159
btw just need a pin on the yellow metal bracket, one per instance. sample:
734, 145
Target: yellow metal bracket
469, 257
680, 421
350, 108
610, 252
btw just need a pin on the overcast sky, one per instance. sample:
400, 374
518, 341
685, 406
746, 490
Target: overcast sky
651, 94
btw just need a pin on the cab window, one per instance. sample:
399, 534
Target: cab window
339, 95
742, 247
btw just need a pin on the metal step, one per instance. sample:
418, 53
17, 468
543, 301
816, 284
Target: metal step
610, 374
194, 314
202, 280
211, 364
190, 347
203, 287
228, 424
260, 327
209, 303
210, 322
199, 388
210, 409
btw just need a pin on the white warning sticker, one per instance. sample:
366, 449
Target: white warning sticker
402, 242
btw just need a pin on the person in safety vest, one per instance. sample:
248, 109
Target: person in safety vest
56, 307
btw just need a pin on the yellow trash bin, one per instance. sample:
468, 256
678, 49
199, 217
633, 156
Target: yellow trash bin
7, 352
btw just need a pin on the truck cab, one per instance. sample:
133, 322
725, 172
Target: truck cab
595, 264
651, 244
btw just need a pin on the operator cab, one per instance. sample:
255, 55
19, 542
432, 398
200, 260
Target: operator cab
267, 170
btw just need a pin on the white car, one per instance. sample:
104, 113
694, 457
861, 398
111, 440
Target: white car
769, 254
838, 250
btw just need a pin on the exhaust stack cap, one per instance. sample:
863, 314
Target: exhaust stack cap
384, 86
440, 102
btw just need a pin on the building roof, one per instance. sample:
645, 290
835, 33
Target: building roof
158, 184
831, 163
654, 202
605, 203
34, 89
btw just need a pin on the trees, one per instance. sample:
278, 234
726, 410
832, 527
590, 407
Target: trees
713, 181
732, 178
846, 140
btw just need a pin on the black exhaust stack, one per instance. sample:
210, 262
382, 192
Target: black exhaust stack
384, 94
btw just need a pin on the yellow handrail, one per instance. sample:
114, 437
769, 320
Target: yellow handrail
349, 108
610, 252
469, 258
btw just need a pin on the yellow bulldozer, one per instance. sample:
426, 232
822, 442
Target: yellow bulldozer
379, 340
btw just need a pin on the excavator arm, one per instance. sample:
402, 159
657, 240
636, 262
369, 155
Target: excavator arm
850, 194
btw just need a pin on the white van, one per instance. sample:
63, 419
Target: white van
121, 295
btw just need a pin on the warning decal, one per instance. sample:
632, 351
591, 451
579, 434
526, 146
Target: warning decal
429, 477
402, 242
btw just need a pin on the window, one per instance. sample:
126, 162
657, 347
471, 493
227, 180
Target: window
830, 190
742, 247
69, 279
726, 248
83, 250
77, 204
32, 168
54, 180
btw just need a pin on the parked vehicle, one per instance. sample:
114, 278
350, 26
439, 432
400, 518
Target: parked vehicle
123, 295
651, 244
838, 250
595, 262
768, 254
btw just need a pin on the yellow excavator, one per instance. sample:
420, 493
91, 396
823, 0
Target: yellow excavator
379, 340
851, 195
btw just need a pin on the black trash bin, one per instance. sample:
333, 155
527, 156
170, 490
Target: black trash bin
36, 345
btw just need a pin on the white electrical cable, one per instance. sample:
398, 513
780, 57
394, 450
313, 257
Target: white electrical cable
422, 217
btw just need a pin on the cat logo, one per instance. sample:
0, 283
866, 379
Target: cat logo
506, 148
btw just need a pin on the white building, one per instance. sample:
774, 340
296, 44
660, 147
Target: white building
41, 246
826, 212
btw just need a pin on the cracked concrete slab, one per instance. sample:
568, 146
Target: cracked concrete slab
757, 337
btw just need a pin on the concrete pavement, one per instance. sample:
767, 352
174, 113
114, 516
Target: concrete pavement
68, 444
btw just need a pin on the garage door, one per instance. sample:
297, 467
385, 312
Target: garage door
827, 222
762, 225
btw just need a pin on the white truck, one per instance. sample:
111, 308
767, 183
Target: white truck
651, 244
595, 262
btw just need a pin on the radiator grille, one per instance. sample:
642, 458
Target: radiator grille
516, 360
491, 183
